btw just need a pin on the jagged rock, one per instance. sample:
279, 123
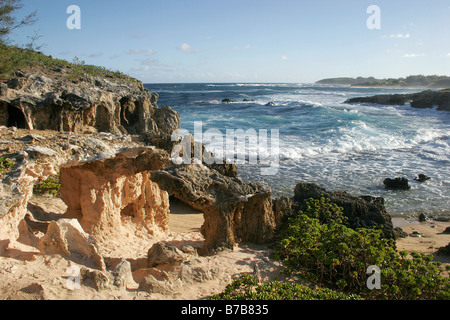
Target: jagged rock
424, 99
422, 178
165, 287
447, 230
94, 278
362, 212
282, 208
162, 253
397, 183
192, 273
36, 152
423, 217
227, 100
67, 237
103, 192
234, 211
42, 100
444, 251
270, 104
123, 277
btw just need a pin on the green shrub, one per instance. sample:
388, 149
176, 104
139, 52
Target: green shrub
247, 288
50, 185
5, 164
316, 246
13, 58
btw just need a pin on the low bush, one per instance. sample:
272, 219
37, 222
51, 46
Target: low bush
51, 185
247, 287
5, 164
316, 246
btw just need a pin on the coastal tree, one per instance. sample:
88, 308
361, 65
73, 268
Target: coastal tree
9, 20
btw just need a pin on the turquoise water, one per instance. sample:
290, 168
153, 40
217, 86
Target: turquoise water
325, 141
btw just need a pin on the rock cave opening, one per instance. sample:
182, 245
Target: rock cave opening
183, 218
16, 118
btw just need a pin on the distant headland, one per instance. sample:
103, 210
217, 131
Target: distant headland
414, 81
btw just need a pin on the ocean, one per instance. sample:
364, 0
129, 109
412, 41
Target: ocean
345, 147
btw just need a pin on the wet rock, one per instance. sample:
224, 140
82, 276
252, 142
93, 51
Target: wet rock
424, 99
362, 212
397, 183
421, 178
226, 100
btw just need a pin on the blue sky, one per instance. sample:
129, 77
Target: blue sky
247, 40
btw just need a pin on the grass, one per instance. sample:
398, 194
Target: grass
49, 186
13, 58
5, 165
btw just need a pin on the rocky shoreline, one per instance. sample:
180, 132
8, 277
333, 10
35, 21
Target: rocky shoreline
425, 99
110, 145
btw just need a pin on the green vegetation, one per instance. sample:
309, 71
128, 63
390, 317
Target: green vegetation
13, 58
5, 165
318, 247
432, 81
49, 186
8, 22
247, 288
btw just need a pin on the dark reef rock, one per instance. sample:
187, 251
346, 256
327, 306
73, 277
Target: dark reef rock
226, 100
397, 183
422, 178
423, 217
444, 251
362, 212
424, 99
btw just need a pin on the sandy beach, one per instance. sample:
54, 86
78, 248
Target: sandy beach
26, 274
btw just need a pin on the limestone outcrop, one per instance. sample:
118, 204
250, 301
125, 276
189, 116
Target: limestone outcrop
102, 194
234, 211
67, 238
41, 100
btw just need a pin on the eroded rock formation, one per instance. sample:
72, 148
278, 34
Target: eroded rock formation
234, 211
47, 101
102, 194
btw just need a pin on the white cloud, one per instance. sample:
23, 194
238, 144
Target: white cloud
140, 51
284, 58
448, 54
400, 36
96, 55
413, 55
186, 48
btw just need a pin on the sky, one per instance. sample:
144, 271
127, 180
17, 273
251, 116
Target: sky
283, 41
